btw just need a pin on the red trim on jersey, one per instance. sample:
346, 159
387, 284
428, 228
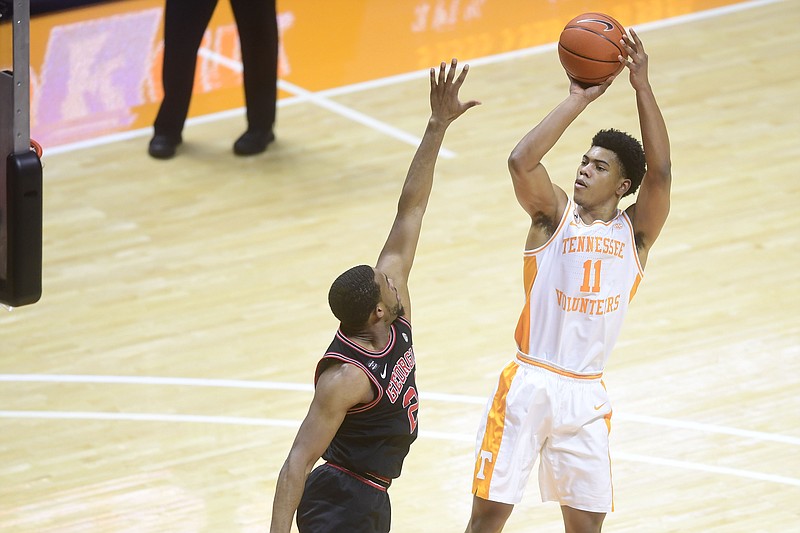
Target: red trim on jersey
380, 483
345, 359
357, 347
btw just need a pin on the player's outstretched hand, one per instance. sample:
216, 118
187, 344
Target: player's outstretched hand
445, 105
636, 61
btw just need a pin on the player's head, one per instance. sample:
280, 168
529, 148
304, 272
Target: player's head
353, 297
360, 291
629, 153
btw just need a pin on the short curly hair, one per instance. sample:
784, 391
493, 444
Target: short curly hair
353, 296
629, 151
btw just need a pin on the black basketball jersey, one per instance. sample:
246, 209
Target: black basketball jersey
375, 437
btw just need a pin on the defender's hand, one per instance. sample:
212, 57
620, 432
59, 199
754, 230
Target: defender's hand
445, 105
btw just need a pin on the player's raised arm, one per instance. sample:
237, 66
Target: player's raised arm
650, 211
398, 252
535, 192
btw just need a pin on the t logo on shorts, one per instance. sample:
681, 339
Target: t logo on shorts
485, 456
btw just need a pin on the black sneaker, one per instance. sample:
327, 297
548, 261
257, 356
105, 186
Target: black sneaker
163, 146
253, 142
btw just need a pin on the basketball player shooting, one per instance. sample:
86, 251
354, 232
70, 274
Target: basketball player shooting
583, 261
363, 417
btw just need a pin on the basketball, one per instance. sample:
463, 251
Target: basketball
588, 48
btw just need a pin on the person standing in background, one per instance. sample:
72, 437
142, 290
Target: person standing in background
185, 22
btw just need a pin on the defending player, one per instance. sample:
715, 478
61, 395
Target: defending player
583, 261
363, 417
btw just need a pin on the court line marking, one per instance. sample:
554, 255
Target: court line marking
430, 396
436, 435
359, 117
304, 95
635, 457
399, 78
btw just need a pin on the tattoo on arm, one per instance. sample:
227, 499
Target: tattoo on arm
542, 220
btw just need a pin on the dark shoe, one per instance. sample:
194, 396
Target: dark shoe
163, 146
253, 142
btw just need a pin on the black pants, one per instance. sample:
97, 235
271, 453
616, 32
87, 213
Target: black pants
185, 22
336, 502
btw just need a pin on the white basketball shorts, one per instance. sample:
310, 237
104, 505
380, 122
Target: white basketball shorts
561, 418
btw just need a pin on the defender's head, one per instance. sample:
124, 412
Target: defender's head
358, 293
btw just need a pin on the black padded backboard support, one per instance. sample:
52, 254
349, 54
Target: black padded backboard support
20, 175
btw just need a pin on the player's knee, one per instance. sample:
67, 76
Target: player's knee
487, 516
577, 521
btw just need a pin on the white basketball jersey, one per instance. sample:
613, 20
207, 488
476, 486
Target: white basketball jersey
577, 289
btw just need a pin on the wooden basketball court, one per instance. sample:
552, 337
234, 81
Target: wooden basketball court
158, 384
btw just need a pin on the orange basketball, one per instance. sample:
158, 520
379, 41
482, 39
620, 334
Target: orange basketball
588, 48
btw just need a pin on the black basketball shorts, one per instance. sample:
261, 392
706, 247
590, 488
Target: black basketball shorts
338, 501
